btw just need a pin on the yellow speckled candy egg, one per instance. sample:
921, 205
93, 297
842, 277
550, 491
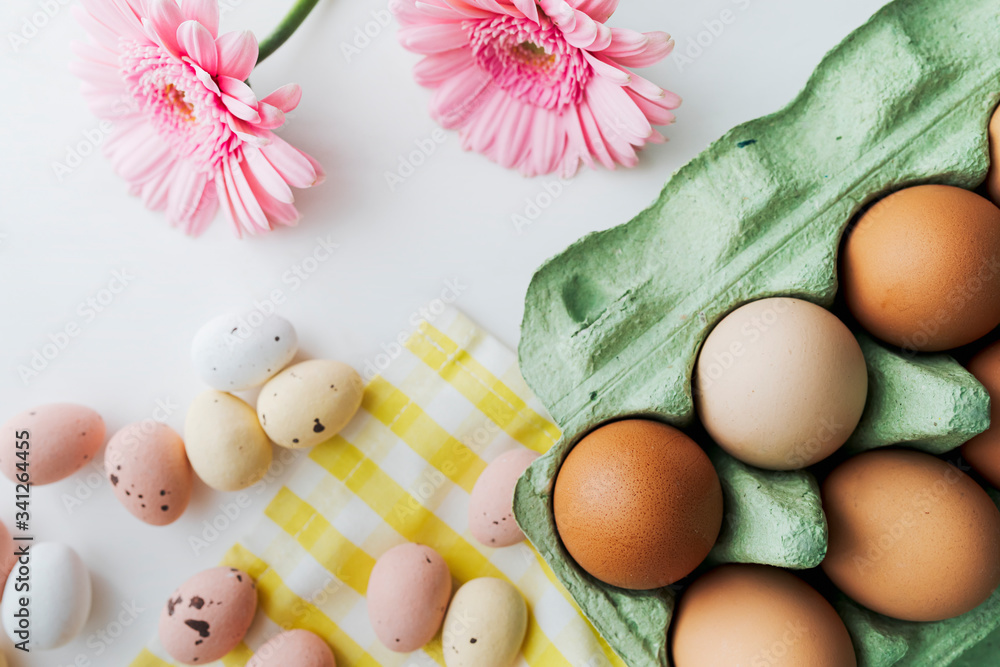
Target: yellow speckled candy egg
309, 402
61, 438
208, 616
485, 625
225, 444
149, 471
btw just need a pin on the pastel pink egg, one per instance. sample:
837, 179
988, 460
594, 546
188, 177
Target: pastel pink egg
208, 616
295, 648
491, 506
61, 438
408, 594
149, 471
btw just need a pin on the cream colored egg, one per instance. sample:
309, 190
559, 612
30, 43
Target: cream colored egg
780, 383
309, 402
485, 625
227, 447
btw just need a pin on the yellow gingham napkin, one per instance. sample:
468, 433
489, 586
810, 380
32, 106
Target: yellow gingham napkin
402, 471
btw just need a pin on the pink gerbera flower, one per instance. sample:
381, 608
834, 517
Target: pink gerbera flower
541, 86
190, 134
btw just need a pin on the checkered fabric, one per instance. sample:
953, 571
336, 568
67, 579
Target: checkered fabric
402, 471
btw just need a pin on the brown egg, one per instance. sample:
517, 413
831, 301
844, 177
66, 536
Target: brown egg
911, 536
637, 504
983, 451
757, 615
993, 178
922, 268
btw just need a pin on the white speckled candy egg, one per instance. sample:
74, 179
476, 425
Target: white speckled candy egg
485, 625
225, 444
235, 351
408, 593
491, 506
59, 598
295, 648
149, 471
309, 402
61, 439
208, 616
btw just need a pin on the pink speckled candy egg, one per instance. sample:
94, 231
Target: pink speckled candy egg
295, 648
491, 512
149, 471
208, 616
408, 594
61, 438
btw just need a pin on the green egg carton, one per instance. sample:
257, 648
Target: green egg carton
612, 325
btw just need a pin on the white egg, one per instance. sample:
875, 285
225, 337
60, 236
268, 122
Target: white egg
58, 595
236, 351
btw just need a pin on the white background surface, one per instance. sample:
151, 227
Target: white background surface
61, 240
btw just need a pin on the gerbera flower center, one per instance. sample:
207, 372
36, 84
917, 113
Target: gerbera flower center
178, 104
529, 60
175, 97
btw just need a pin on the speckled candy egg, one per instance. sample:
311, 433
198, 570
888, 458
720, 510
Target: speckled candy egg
60, 598
491, 512
295, 648
408, 595
235, 351
224, 442
485, 625
62, 438
309, 402
149, 471
208, 616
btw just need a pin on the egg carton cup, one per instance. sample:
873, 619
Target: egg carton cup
612, 326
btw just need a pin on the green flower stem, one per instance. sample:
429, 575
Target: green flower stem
286, 28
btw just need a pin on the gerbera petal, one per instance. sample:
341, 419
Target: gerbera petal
658, 46
238, 53
198, 44
269, 178
161, 23
246, 194
236, 88
286, 98
608, 71
115, 16
241, 110
205, 12
599, 10
433, 70
295, 167
271, 117
433, 38
528, 7
458, 98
